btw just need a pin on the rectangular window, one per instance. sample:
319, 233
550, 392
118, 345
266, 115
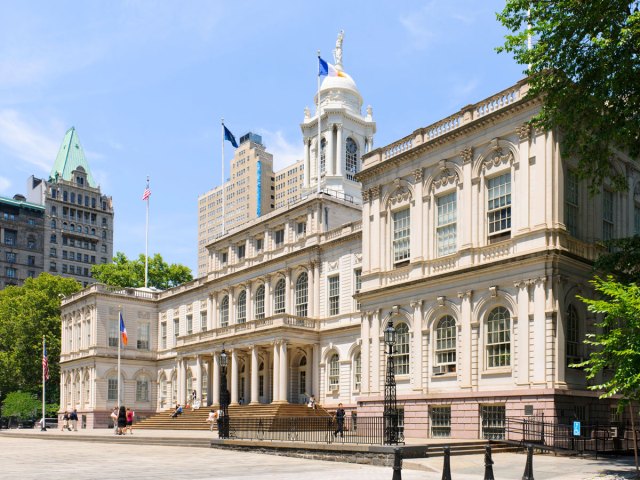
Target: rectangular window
401, 233
334, 295
11, 257
31, 260
10, 237
143, 337
142, 391
259, 244
571, 203
279, 237
176, 330
114, 330
223, 258
163, 335
499, 204
301, 228
10, 272
493, 421
112, 389
189, 324
607, 215
241, 251
446, 230
357, 280
440, 421
203, 321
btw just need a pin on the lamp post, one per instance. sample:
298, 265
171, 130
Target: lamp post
223, 432
390, 412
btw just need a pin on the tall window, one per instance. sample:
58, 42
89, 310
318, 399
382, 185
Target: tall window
112, 389
323, 155
498, 338
242, 307
163, 334
571, 202
446, 230
176, 330
334, 295
142, 390
334, 372
357, 280
241, 251
279, 237
401, 355
224, 311
607, 215
259, 306
143, 337
351, 158
357, 371
572, 334
203, 321
114, 330
279, 297
499, 204
440, 421
401, 232
446, 344
189, 324
302, 295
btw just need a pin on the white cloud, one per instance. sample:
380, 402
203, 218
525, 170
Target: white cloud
33, 144
284, 152
5, 184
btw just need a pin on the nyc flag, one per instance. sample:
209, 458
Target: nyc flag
229, 136
123, 330
326, 69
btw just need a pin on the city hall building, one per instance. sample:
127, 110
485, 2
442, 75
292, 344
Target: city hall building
472, 235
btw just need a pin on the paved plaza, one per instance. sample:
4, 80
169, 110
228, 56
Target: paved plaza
81, 457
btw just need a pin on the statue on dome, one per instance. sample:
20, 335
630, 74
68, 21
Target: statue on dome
337, 53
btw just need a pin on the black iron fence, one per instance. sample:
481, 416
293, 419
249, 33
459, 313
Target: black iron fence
596, 438
360, 430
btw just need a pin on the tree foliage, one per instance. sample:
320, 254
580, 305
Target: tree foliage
130, 273
585, 63
616, 352
26, 314
622, 261
21, 404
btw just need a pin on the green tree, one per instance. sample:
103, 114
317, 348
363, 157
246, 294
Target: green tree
23, 405
622, 261
27, 313
584, 62
130, 273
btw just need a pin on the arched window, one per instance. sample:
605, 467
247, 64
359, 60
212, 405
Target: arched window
572, 334
261, 390
323, 155
334, 372
205, 386
163, 390
351, 158
224, 311
401, 354
498, 338
142, 389
77, 391
446, 345
259, 302
279, 297
53, 223
302, 294
112, 388
174, 389
189, 383
242, 307
87, 389
357, 371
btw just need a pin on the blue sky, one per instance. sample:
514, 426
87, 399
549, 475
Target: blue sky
146, 83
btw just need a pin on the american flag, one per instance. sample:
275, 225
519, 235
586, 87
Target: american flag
146, 194
45, 363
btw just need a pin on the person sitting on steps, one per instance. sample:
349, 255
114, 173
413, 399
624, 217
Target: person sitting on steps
177, 411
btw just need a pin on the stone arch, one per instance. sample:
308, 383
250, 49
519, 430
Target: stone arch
438, 176
436, 310
399, 190
495, 150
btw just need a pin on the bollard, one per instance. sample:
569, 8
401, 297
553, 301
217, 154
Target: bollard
488, 464
446, 470
397, 464
528, 469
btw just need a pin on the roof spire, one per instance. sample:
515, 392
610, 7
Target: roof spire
71, 157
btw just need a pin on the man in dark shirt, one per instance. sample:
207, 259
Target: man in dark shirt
339, 421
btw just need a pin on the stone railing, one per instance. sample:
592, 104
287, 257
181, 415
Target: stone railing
110, 290
497, 102
398, 147
442, 127
343, 231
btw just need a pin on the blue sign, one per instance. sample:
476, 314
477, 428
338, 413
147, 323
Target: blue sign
576, 429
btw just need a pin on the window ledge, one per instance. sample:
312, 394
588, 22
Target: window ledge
497, 371
448, 376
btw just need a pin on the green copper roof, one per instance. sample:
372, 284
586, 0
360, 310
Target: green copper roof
70, 157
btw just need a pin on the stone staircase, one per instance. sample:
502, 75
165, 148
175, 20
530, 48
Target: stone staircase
196, 419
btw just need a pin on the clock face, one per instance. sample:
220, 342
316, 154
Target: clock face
351, 147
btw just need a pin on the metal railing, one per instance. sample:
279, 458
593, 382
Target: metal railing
355, 430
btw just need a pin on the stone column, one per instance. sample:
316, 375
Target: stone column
215, 388
523, 332
210, 324
268, 297
561, 339
375, 352
416, 372
307, 166
311, 298
198, 386
287, 291
233, 317
215, 313
276, 371
234, 377
339, 151
416, 243
329, 157
255, 364
466, 358
316, 293
539, 331
249, 297
315, 372
365, 352
284, 372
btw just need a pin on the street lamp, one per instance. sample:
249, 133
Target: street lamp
390, 412
223, 432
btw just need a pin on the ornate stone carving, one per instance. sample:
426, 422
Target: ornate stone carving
365, 195
374, 192
400, 195
465, 295
444, 178
466, 154
307, 113
497, 156
333, 265
524, 131
494, 291
417, 175
357, 257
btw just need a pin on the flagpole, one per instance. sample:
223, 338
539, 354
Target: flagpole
43, 425
319, 149
119, 341
223, 182
146, 243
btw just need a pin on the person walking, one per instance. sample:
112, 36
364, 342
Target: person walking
73, 417
130, 415
114, 419
212, 419
65, 421
339, 416
122, 420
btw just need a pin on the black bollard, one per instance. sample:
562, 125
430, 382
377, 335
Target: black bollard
528, 470
488, 464
446, 470
397, 464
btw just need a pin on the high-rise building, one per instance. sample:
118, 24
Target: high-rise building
249, 193
289, 183
78, 218
21, 240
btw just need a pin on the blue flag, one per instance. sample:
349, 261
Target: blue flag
323, 67
229, 136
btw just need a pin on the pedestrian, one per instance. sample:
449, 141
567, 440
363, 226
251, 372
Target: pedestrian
194, 395
339, 416
177, 411
219, 415
122, 420
130, 415
65, 421
212, 419
114, 419
73, 417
